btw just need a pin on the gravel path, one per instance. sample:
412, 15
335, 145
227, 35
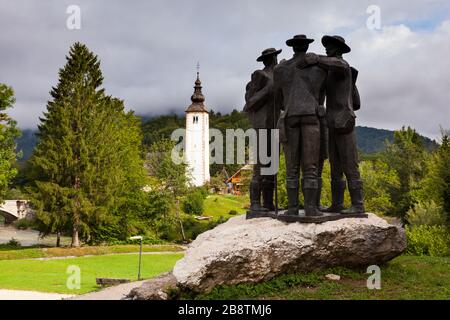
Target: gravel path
111, 293
31, 295
25, 237
28, 237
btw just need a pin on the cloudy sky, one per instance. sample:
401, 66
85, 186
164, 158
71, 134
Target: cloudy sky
149, 50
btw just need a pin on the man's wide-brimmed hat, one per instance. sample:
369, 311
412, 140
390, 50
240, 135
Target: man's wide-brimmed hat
337, 40
267, 53
299, 39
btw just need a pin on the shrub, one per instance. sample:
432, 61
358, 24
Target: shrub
24, 224
14, 194
13, 243
149, 238
428, 240
233, 212
193, 204
379, 178
426, 213
193, 227
203, 191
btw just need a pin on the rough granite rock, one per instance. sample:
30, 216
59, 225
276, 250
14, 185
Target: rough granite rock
249, 251
155, 289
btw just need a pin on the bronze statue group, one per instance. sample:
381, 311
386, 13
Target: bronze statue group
311, 100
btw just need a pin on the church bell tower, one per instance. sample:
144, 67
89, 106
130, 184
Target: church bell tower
197, 137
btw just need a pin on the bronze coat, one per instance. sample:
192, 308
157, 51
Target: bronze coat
259, 99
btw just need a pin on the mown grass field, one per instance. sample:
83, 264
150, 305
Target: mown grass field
51, 275
406, 277
220, 205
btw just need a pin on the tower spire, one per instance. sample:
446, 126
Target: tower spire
198, 97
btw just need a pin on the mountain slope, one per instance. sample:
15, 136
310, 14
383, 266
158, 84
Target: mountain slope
372, 140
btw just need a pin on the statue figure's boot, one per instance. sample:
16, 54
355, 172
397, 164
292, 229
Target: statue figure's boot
319, 193
337, 196
310, 188
292, 193
355, 187
255, 197
267, 194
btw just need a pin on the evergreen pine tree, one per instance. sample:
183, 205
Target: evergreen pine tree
88, 156
436, 185
407, 156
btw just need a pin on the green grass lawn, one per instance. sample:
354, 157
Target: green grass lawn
220, 205
217, 207
406, 277
51, 276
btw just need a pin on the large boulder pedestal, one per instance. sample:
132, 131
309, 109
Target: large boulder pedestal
254, 250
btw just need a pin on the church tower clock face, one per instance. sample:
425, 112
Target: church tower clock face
197, 137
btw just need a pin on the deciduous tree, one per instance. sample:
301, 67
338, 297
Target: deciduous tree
8, 132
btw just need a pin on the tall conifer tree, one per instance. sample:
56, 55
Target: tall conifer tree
88, 156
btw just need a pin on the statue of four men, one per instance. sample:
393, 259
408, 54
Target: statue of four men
290, 96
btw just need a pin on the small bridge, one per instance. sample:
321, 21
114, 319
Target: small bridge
14, 210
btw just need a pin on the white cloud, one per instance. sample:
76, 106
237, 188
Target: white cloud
404, 77
149, 50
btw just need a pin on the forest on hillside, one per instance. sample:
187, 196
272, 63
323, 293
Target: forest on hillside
370, 140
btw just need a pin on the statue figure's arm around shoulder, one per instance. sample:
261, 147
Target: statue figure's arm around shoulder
325, 62
332, 63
